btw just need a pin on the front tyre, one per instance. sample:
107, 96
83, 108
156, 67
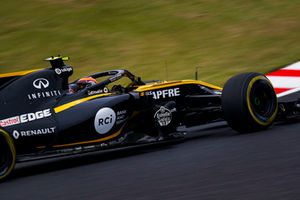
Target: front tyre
7, 154
249, 102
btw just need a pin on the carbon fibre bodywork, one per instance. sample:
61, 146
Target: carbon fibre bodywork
43, 118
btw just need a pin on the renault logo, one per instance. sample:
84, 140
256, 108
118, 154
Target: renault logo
41, 83
16, 134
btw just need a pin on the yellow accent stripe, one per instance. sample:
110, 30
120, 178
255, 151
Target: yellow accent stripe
21, 73
93, 141
174, 83
79, 101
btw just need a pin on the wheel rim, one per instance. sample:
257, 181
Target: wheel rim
263, 100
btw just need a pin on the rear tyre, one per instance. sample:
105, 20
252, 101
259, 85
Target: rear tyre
7, 154
249, 102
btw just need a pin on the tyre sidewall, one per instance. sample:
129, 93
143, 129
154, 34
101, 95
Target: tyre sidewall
236, 104
11, 154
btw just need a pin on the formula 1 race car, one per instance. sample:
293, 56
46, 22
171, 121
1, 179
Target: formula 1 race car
40, 117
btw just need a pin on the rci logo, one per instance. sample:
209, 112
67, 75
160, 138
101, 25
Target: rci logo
41, 83
104, 121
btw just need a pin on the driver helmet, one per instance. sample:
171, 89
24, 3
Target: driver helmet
82, 84
86, 82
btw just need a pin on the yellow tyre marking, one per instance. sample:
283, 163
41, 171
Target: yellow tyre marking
270, 120
11, 145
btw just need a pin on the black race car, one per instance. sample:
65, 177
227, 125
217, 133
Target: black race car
43, 115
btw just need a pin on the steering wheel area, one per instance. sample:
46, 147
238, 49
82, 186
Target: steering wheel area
113, 76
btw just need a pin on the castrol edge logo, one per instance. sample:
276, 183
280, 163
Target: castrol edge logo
28, 117
104, 120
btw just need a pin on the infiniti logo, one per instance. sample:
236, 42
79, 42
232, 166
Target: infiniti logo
41, 83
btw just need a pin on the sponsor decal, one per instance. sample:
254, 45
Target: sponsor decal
10, 121
100, 91
122, 112
121, 116
44, 94
163, 116
104, 120
63, 70
217, 92
36, 132
113, 142
173, 92
115, 77
41, 83
28, 117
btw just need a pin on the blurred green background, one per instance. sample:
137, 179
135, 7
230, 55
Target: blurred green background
158, 39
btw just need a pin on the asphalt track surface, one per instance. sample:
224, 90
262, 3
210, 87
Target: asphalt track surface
213, 162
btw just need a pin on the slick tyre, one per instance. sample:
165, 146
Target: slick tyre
249, 102
7, 154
